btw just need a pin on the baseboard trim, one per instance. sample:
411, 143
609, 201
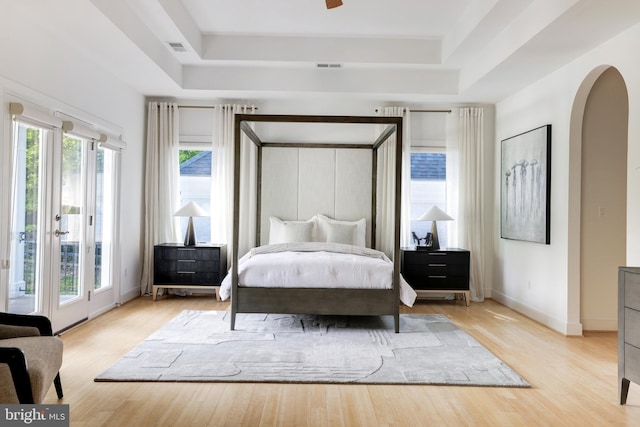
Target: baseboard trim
600, 325
565, 328
128, 296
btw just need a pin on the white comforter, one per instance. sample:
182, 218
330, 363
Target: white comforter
316, 265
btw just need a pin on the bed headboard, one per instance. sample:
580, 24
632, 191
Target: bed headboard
298, 183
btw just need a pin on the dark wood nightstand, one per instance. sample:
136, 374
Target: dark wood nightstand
441, 271
202, 266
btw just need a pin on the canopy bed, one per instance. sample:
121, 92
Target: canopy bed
332, 199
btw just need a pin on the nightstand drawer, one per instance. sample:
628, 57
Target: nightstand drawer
197, 265
440, 257
632, 290
632, 327
188, 278
438, 283
186, 265
439, 269
632, 363
193, 254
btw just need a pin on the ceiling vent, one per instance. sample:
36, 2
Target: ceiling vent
177, 47
327, 65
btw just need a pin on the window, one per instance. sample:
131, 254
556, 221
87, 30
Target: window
428, 188
195, 186
105, 221
25, 284
73, 212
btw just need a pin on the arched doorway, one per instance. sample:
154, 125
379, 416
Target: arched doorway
599, 161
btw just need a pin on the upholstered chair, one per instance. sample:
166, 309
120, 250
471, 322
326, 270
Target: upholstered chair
30, 358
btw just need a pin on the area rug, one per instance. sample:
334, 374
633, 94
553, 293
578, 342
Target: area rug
198, 346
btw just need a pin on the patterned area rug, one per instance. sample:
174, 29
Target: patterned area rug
198, 346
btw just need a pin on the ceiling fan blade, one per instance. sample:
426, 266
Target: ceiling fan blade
333, 3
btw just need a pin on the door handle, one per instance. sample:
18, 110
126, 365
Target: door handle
59, 233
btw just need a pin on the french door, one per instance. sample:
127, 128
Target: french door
60, 253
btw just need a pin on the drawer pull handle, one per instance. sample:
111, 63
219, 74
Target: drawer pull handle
186, 260
186, 272
186, 249
437, 265
437, 254
437, 277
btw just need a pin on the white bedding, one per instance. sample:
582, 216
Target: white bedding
316, 265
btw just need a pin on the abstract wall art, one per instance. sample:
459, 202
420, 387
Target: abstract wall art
525, 206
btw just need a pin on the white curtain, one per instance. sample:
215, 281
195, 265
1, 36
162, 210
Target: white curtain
161, 184
386, 179
8, 200
222, 173
465, 189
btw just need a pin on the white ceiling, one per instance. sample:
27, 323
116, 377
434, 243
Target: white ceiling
390, 50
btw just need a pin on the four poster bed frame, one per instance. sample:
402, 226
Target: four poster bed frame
325, 301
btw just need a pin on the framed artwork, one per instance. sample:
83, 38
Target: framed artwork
525, 205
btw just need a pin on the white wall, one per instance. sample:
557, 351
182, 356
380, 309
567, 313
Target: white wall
39, 68
542, 281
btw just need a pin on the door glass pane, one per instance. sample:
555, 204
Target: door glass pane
71, 221
24, 276
105, 200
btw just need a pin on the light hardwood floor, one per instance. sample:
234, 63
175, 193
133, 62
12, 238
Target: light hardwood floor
574, 380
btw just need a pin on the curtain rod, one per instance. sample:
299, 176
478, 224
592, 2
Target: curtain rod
255, 108
209, 106
429, 111
423, 111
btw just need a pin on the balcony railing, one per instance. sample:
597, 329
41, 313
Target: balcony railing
69, 267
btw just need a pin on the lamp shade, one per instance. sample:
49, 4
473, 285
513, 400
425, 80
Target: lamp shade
435, 214
191, 209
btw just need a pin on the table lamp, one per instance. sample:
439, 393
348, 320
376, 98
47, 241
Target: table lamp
191, 209
435, 214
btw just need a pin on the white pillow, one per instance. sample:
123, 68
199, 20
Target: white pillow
359, 237
290, 231
341, 233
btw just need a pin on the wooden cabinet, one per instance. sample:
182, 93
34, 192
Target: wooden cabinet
193, 267
628, 329
442, 271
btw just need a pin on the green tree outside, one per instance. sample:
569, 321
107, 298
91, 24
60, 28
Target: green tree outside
187, 154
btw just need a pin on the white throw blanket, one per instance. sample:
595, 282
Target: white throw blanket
316, 264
